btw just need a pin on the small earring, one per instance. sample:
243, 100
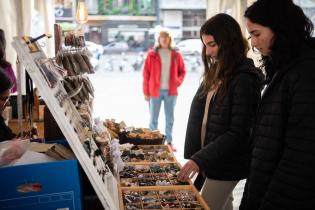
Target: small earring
255, 50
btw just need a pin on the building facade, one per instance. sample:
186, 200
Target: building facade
183, 17
133, 21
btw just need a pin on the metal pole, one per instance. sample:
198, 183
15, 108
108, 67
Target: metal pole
19, 96
20, 74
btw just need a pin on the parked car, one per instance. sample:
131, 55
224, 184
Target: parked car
115, 47
190, 46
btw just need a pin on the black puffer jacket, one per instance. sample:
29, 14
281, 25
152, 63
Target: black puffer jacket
226, 155
5, 131
283, 164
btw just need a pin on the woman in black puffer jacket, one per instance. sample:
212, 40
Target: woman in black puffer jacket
217, 133
283, 162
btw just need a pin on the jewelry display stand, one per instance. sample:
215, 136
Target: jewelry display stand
70, 123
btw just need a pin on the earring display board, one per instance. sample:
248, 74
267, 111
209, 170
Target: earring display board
70, 122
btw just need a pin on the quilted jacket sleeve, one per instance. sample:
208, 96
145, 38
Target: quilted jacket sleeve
292, 184
244, 99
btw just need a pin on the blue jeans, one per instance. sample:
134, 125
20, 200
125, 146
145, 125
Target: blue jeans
169, 105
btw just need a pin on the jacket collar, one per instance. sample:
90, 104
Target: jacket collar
155, 49
248, 66
307, 54
245, 66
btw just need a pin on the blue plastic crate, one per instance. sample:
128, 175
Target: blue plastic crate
49, 186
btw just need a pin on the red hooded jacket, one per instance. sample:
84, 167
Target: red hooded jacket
152, 73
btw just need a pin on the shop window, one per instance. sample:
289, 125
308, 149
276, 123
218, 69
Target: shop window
190, 34
126, 7
194, 17
63, 8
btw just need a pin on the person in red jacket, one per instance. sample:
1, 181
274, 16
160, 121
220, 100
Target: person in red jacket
163, 73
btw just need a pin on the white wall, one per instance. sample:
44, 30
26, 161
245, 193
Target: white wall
92, 5
183, 4
174, 21
16, 20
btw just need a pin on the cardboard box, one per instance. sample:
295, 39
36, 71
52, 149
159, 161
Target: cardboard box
49, 186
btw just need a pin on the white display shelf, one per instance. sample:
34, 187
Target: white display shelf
70, 123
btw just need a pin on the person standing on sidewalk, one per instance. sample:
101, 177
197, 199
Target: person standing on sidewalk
222, 113
282, 168
163, 73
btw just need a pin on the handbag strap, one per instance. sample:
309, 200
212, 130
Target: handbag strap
205, 115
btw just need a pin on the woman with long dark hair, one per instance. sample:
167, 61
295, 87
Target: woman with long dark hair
221, 113
282, 168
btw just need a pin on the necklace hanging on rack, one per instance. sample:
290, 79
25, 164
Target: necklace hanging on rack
31, 42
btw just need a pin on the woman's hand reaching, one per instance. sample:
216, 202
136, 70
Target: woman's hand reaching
188, 171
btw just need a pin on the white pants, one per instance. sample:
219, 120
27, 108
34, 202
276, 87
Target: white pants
218, 194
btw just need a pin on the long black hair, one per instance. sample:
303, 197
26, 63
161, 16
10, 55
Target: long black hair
233, 48
291, 27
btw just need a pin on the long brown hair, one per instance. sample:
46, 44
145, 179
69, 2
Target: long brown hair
233, 48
